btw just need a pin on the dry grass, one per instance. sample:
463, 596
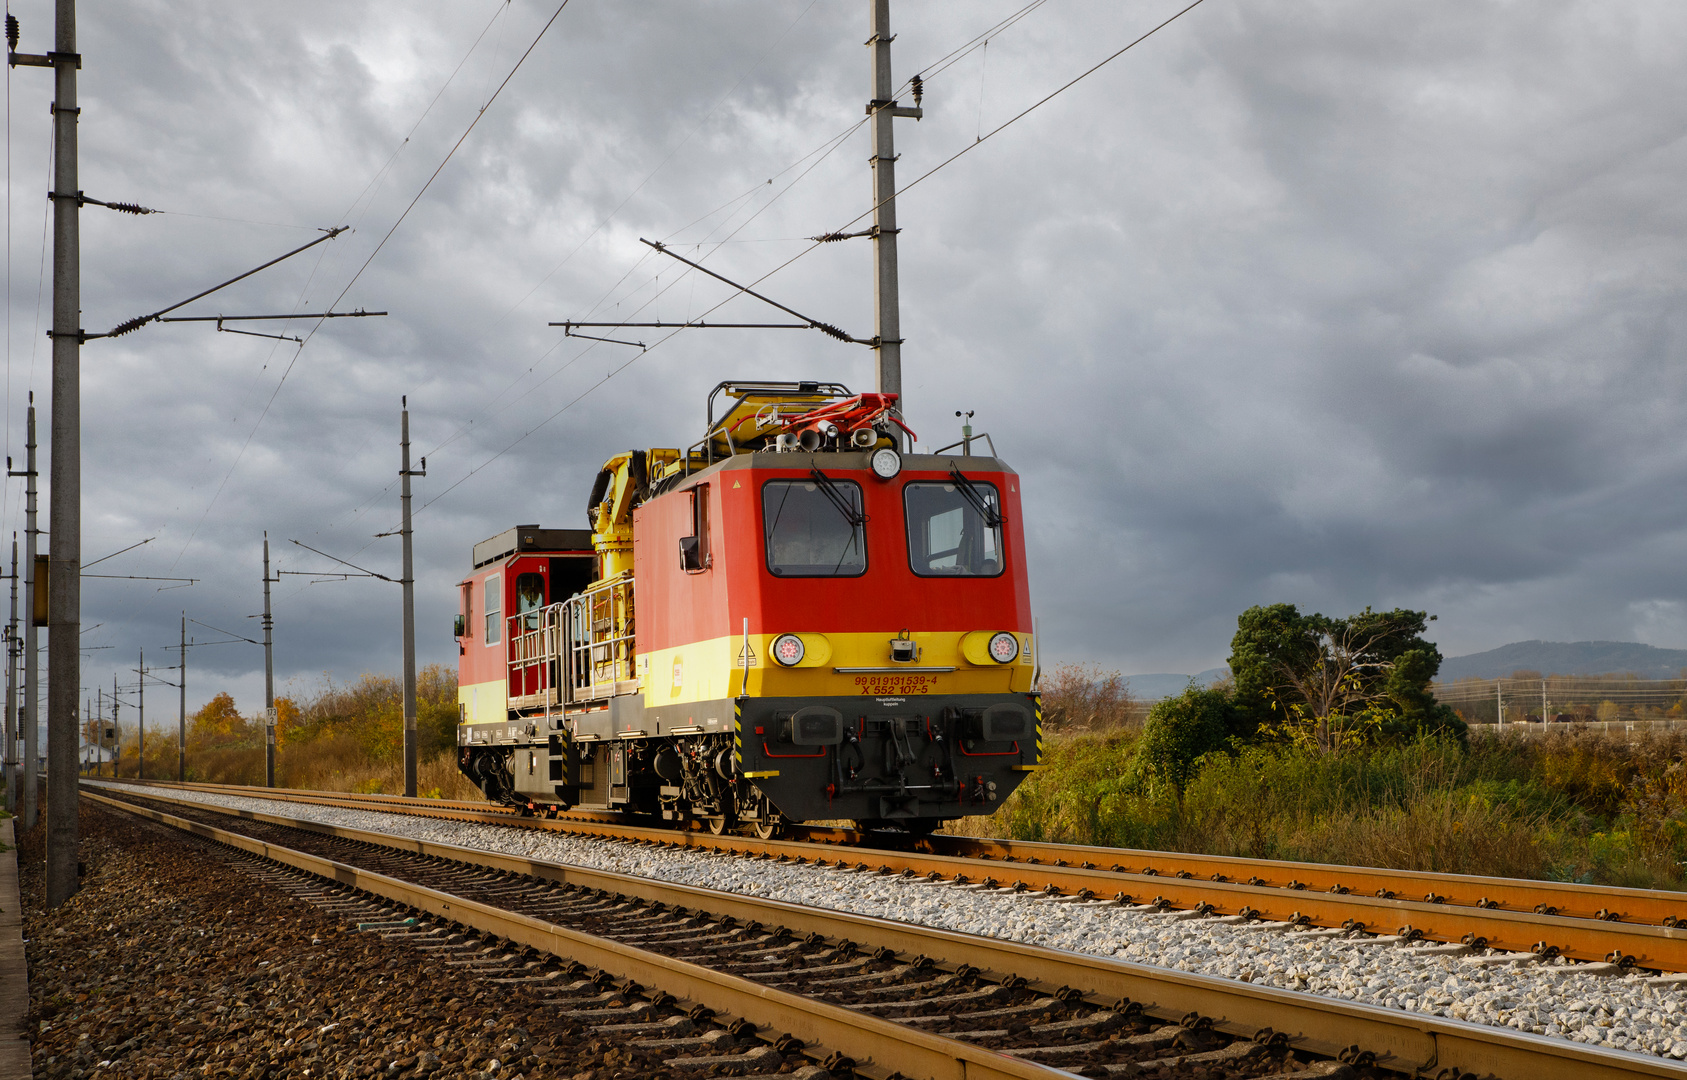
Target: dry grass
1579, 807
1079, 698
338, 738
325, 765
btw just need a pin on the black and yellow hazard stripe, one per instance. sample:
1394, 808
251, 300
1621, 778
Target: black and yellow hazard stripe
738, 746
1037, 707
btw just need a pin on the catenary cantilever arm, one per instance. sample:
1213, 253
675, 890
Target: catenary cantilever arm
824, 328
139, 321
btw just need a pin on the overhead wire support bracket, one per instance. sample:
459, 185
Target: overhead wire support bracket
221, 329
342, 562
825, 328
220, 319
568, 331
118, 552
358, 314
220, 630
695, 323
83, 199
139, 321
569, 325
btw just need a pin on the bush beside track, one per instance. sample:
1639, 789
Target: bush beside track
1568, 806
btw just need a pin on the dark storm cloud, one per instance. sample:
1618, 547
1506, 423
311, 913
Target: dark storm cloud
1304, 302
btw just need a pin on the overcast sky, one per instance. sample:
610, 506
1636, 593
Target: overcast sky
1336, 304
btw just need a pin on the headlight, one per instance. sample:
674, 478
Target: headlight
788, 649
886, 462
1004, 648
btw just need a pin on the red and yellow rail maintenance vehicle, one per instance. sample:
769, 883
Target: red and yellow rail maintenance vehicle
789, 621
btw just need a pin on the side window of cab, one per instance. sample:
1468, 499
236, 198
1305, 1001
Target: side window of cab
494, 608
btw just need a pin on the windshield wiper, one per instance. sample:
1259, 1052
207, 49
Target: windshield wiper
986, 510
844, 504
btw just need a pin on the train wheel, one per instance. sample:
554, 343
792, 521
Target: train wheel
771, 829
717, 824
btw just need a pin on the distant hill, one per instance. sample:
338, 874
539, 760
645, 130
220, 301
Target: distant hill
1567, 658
1162, 685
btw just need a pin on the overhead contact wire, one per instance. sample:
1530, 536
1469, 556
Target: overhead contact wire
268, 404
918, 180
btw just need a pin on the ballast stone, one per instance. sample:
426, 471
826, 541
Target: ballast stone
1555, 997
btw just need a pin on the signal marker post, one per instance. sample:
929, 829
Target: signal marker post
407, 581
181, 738
269, 678
13, 775
36, 591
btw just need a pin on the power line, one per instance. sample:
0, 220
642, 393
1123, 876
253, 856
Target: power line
449, 154
270, 402
907, 187
825, 150
465, 426
663, 163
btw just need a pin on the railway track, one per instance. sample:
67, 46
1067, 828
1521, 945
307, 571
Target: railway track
1594, 924
724, 980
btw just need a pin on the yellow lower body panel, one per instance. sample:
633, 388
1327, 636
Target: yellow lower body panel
484, 703
855, 665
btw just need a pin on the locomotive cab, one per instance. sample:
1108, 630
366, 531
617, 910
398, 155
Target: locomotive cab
826, 628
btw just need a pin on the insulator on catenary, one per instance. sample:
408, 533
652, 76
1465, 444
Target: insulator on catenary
919, 89
132, 324
12, 32
129, 208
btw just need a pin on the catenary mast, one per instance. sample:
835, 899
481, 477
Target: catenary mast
64, 604
887, 314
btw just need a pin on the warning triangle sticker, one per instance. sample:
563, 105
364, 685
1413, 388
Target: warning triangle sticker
736, 484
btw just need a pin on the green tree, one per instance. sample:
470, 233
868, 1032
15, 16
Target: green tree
1179, 730
1330, 682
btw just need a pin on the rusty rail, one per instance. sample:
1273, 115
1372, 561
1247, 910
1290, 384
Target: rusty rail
1635, 926
1410, 1043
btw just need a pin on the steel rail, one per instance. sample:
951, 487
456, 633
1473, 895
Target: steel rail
1508, 924
1323, 1026
817, 1023
1607, 903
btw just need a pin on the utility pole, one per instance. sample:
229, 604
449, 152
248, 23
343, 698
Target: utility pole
887, 312
64, 615
11, 727
181, 737
407, 581
1499, 706
269, 681
1546, 717
116, 735
140, 737
37, 618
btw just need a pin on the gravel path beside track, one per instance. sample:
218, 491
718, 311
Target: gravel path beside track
169, 963
1590, 1003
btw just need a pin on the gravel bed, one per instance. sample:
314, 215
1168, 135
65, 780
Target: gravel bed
1587, 1003
171, 963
